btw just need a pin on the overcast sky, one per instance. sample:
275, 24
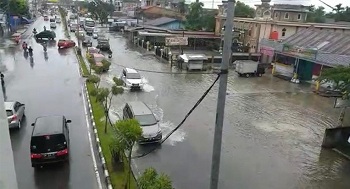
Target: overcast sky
208, 3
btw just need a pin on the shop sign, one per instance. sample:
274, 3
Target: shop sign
300, 51
176, 41
267, 51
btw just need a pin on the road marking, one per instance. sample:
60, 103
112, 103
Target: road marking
89, 135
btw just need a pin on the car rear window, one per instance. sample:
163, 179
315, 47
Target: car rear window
48, 143
9, 113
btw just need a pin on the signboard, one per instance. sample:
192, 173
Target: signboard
341, 103
176, 41
267, 51
15, 17
300, 51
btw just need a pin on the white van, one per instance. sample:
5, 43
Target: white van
74, 26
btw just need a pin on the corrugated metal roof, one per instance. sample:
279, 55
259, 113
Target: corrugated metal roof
324, 41
160, 21
333, 48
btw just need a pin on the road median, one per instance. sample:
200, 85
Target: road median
114, 176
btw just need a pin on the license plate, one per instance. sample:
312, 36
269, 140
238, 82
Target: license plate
49, 156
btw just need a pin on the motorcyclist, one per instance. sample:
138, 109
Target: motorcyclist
110, 53
44, 28
30, 50
24, 45
34, 30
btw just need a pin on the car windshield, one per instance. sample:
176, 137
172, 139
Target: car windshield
146, 120
49, 143
133, 76
9, 113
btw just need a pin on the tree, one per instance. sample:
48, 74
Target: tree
150, 179
208, 20
129, 132
194, 17
99, 10
16, 7
105, 96
340, 78
181, 6
243, 10
316, 15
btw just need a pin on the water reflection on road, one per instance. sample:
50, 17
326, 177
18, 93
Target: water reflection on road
272, 134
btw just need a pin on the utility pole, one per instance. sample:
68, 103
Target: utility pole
220, 109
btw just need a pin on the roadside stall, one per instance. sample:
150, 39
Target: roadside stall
192, 61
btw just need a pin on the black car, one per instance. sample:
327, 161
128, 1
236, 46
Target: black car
49, 141
51, 35
87, 42
103, 45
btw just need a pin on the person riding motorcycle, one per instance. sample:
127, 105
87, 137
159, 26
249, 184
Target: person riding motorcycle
44, 28
24, 45
30, 50
34, 30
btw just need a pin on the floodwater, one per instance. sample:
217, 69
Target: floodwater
272, 133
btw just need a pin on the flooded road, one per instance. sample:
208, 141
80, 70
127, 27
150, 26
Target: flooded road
48, 84
272, 133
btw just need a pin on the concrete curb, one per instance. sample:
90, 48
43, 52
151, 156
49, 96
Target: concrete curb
107, 178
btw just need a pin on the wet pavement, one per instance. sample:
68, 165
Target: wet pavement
48, 84
272, 134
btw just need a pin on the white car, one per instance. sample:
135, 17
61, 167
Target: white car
52, 24
95, 33
132, 79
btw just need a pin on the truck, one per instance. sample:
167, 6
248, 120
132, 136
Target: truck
248, 68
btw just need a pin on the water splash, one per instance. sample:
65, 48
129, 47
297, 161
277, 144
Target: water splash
176, 137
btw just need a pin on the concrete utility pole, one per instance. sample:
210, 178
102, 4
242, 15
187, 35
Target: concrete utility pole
220, 109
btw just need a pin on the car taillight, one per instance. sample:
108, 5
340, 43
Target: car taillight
36, 156
62, 152
14, 118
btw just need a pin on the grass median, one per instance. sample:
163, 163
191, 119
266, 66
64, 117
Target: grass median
117, 175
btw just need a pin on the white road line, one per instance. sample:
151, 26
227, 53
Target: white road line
89, 134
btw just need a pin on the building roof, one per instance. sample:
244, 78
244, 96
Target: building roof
322, 40
160, 21
333, 48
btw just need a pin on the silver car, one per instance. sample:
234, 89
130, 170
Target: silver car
15, 113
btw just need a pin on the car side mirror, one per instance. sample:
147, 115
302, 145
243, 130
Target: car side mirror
68, 121
32, 124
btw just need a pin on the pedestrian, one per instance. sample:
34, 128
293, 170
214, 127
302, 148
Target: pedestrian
2, 78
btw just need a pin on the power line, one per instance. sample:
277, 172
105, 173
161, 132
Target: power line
161, 72
183, 120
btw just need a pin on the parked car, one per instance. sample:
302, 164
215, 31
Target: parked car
132, 79
51, 35
49, 141
151, 132
65, 43
87, 42
53, 25
58, 20
15, 114
46, 18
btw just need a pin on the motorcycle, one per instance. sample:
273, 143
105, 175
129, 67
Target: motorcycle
24, 46
30, 51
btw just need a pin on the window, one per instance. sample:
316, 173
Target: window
284, 32
299, 16
276, 14
148, 3
146, 120
133, 76
286, 16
